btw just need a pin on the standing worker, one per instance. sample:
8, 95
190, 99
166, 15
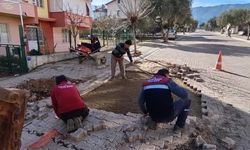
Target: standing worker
157, 102
68, 104
117, 56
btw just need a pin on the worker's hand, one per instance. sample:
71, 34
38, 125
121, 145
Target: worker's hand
131, 63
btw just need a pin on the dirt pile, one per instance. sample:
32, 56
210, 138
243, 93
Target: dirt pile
41, 88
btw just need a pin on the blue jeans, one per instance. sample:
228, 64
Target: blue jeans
181, 109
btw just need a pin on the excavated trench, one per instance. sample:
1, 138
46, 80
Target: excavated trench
120, 96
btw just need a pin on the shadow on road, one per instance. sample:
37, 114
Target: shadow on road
214, 49
235, 74
199, 39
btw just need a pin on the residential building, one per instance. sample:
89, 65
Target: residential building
100, 12
60, 10
10, 20
40, 35
45, 23
113, 9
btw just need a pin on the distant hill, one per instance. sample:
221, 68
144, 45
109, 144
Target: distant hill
203, 14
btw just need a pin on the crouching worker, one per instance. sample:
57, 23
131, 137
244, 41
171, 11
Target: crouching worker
156, 100
68, 104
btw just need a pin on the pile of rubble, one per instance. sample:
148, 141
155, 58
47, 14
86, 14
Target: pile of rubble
106, 130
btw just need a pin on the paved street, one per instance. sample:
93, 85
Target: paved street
200, 50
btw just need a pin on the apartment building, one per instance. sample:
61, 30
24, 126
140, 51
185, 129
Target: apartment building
58, 10
113, 9
100, 12
45, 22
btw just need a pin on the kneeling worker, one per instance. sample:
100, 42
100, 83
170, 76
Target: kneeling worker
68, 104
156, 100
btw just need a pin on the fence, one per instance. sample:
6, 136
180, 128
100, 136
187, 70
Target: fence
12, 59
107, 39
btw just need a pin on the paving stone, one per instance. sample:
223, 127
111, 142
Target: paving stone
78, 135
147, 147
208, 147
199, 141
228, 143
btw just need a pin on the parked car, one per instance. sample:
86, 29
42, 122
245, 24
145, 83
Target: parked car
172, 34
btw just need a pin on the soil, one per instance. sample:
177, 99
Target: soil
120, 96
41, 88
4, 74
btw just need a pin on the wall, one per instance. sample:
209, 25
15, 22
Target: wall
47, 29
112, 9
35, 61
58, 40
59, 5
10, 8
43, 11
13, 25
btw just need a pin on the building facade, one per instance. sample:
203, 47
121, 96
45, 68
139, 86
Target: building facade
45, 22
100, 12
113, 9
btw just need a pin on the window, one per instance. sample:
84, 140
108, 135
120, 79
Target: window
87, 10
118, 13
4, 34
34, 33
38, 3
65, 34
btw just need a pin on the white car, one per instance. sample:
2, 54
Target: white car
172, 34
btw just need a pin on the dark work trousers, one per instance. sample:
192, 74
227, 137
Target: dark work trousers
75, 113
181, 109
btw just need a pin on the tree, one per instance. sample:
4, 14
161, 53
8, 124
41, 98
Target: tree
168, 13
202, 25
248, 24
135, 10
75, 19
109, 25
235, 17
212, 24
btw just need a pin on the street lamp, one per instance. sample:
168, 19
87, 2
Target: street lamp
20, 10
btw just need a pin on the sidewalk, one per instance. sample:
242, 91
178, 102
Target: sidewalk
234, 36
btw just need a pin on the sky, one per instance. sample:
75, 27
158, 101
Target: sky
196, 3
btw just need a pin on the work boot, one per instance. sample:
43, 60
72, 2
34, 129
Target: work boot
150, 123
124, 78
177, 129
78, 122
70, 126
112, 78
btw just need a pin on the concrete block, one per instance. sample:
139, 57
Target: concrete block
147, 147
208, 147
78, 135
228, 143
204, 111
159, 143
41, 104
88, 128
199, 141
198, 79
97, 127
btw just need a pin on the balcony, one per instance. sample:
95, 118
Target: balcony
29, 10
62, 21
